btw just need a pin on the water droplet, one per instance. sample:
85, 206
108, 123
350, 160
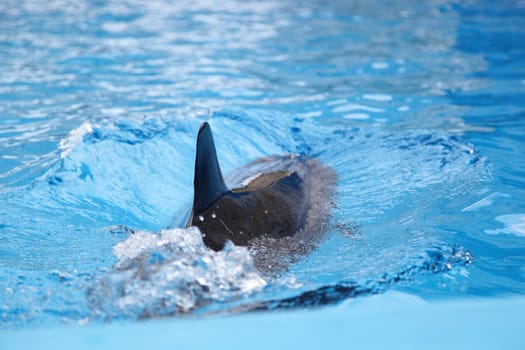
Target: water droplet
213, 215
201, 218
266, 211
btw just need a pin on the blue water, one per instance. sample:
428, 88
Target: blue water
418, 107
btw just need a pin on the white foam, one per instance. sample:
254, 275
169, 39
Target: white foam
115, 27
356, 116
380, 65
74, 138
311, 114
356, 107
336, 102
484, 202
377, 97
172, 272
514, 224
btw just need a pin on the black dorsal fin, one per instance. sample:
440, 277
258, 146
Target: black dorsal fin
208, 183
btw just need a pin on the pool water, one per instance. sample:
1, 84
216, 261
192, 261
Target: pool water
419, 107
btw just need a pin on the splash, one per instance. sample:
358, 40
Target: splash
394, 189
172, 273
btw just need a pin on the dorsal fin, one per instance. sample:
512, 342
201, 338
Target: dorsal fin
208, 183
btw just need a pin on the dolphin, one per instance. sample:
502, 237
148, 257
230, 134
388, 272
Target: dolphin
277, 205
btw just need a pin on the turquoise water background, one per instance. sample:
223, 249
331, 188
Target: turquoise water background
418, 106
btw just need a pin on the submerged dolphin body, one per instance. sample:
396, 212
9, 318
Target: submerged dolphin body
277, 204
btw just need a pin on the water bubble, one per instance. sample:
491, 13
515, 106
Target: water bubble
179, 275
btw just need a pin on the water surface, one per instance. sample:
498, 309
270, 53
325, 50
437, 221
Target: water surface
419, 108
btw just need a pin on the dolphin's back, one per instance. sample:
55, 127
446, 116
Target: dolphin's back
275, 205
271, 204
